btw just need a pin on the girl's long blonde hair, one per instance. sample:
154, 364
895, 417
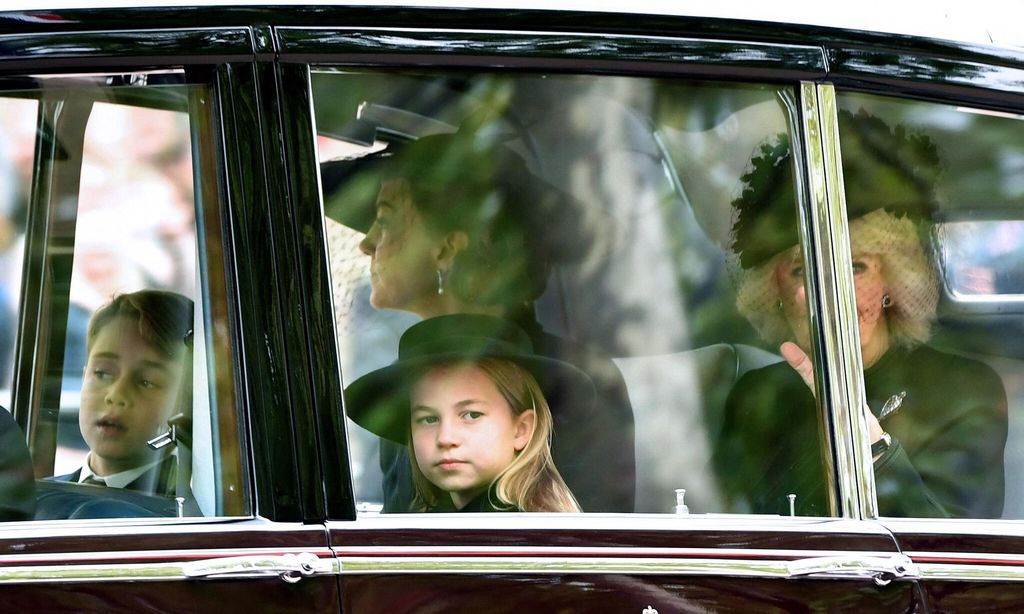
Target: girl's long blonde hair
531, 483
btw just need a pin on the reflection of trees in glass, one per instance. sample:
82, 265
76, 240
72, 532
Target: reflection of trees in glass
653, 167
593, 138
982, 154
710, 133
983, 181
654, 278
17, 144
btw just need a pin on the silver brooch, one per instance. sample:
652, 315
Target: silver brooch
892, 406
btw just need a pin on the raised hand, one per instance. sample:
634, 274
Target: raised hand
802, 364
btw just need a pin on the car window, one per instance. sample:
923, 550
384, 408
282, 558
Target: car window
613, 221
19, 120
943, 309
120, 375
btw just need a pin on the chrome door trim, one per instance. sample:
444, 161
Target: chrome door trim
880, 567
559, 565
826, 237
969, 566
606, 552
289, 566
970, 573
968, 558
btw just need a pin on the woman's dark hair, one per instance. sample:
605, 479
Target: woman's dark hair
471, 183
518, 224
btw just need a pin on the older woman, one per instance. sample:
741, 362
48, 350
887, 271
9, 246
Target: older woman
937, 421
460, 225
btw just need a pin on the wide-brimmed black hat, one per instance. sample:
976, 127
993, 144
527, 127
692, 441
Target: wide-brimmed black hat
470, 177
379, 401
884, 167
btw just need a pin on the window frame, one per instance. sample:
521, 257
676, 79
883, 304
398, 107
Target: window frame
723, 60
946, 551
270, 535
203, 55
953, 79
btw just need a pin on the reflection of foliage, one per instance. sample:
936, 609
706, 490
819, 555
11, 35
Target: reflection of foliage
698, 260
651, 280
766, 209
449, 99
718, 321
702, 281
983, 155
884, 166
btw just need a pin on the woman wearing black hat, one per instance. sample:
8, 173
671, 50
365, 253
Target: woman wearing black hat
466, 397
937, 421
460, 225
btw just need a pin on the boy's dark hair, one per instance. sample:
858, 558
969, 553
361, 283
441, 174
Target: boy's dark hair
164, 318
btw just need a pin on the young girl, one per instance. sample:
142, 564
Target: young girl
481, 432
467, 397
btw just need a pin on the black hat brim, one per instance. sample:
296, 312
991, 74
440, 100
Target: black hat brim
350, 188
560, 224
379, 401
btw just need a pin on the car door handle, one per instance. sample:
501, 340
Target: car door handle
881, 569
289, 567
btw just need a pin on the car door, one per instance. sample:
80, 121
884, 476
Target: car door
650, 136
134, 166
967, 105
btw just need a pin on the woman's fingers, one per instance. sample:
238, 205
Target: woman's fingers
800, 362
798, 359
875, 430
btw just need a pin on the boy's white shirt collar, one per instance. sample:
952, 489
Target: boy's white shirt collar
116, 480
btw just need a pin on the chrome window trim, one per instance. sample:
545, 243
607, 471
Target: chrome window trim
155, 556
826, 237
847, 366
1002, 528
120, 526
536, 521
124, 529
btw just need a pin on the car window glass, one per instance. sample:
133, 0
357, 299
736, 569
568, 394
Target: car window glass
598, 216
934, 195
17, 117
122, 378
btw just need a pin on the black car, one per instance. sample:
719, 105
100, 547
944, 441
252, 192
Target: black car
784, 258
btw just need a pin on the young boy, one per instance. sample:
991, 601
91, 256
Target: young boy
137, 375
